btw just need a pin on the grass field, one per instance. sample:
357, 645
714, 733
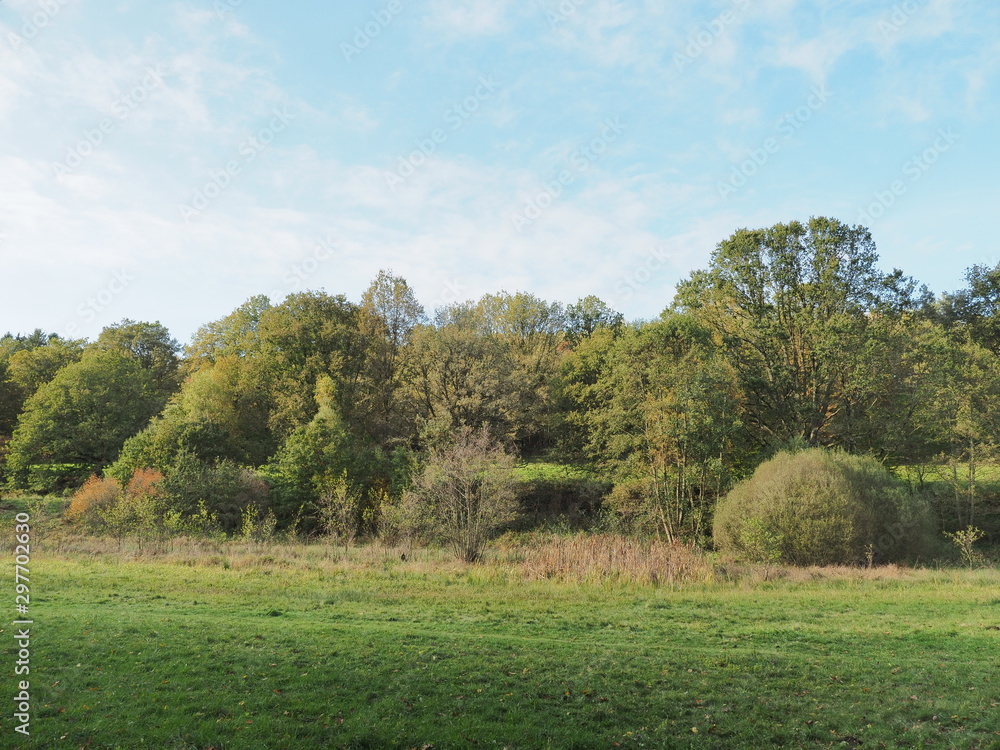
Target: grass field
296, 648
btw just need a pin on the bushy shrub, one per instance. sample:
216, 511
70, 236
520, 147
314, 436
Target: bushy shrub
309, 460
101, 505
96, 495
145, 483
222, 489
820, 507
466, 491
339, 509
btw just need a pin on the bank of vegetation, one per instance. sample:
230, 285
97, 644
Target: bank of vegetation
794, 403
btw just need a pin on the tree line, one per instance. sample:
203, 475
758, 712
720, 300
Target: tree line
792, 336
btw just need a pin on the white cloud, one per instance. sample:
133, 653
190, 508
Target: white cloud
469, 17
818, 56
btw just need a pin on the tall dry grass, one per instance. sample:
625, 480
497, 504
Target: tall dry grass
591, 558
613, 557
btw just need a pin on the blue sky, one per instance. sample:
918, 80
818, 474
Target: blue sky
167, 161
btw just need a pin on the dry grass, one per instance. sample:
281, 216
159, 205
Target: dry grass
597, 558
754, 574
612, 557
240, 554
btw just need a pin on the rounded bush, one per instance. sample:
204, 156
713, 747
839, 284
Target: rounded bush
821, 507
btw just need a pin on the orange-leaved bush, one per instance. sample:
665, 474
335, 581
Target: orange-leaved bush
145, 483
97, 493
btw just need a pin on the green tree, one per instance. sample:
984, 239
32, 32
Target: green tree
308, 336
792, 307
583, 388
388, 316
494, 363
235, 335
150, 344
26, 364
663, 418
316, 454
221, 413
589, 314
461, 377
83, 415
968, 408
974, 312
894, 411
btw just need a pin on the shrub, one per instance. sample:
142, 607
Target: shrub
820, 507
145, 483
96, 495
466, 491
254, 527
385, 517
221, 490
339, 509
137, 515
966, 540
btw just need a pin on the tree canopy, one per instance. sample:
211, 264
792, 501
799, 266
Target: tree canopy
791, 336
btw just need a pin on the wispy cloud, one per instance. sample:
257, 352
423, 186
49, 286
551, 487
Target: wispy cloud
468, 17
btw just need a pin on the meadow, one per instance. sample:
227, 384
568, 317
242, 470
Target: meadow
235, 645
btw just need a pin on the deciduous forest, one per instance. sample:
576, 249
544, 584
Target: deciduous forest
318, 414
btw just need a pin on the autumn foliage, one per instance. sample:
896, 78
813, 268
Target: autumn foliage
96, 494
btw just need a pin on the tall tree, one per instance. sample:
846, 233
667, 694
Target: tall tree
461, 378
388, 315
974, 312
308, 336
662, 417
150, 344
589, 314
529, 331
26, 364
83, 415
792, 307
235, 335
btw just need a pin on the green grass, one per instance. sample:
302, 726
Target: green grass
292, 652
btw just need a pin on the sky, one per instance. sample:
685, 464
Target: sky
167, 161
